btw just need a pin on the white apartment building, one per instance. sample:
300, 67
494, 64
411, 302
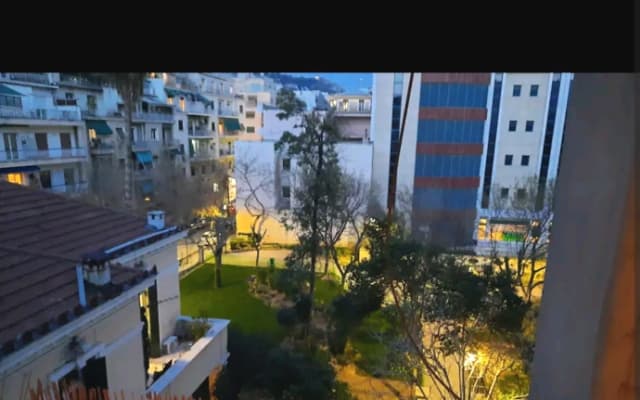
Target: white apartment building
460, 131
353, 115
82, 288
42, 136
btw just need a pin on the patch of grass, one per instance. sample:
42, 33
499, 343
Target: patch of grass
232, 301
326, 291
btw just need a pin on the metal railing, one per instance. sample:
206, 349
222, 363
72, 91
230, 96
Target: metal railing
79, 187
40, 114
140, 145
101, 148
227, 112
66, 102
353, 110
150, 116
32, 77
7, 156
203, 155
200, 132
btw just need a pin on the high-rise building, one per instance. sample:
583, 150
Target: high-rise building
460, 131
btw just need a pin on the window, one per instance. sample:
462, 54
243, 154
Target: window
250, 114
240, 108
524, 161
45, 179
286, 192
193, 171
213, 126
68, 96
286, 164
513, 125
153, 134
15, 177
508, 159
533, 92
516, 90
69, 176
529, 126
183, 103
65, 140
41, 141
251, 129
170, 101
180, 126
216, 188
10, 101
504, 193
121, 163
521, 194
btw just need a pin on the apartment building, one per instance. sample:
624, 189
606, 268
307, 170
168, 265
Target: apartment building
91, 296
465, 135
353, 115
43, 140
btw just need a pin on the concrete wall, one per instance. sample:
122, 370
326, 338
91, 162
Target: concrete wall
124, 358
586, 333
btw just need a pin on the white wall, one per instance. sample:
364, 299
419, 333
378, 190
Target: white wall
274, 127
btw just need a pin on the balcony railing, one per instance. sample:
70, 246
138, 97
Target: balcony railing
51, 114
354, 110
71, 80
69, 188
171, 143
32, 77
200, 132
203, 155
142, 145
66, 102
227, 112
101, 148
8, 156
155, 117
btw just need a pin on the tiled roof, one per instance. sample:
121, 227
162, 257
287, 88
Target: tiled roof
43, 237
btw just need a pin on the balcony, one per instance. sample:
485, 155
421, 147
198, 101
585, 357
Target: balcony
69, 188
144, 145
227, 112
203, 155
66, 102
13, 156
43, 114
79, 82
191, 355
226, 152
153, 117
98, 148
31, 77
353, 110
171, 143
201, 132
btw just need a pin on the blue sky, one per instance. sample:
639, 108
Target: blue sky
350, 81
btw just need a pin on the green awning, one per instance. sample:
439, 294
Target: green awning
144, 157
99, 126
230, 124
6, 90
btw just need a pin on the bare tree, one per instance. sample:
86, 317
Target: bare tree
529, 215
256, 185
223, 230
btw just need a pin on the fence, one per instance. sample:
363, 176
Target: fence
54, 392
189, 256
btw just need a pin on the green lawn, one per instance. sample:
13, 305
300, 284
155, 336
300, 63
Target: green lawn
232, 301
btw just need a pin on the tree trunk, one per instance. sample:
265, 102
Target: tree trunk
257, 256
218, 255
326, 260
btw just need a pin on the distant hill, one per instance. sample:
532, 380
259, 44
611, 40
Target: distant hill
302, 83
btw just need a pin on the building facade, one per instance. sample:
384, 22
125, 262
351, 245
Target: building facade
456, 138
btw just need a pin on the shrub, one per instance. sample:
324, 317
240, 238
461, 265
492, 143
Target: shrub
262, 276
303, 308
287, 317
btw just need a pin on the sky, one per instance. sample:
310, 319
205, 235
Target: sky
350, 82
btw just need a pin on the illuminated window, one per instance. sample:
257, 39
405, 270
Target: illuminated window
15, 178
183, 103
92, 134
170, 100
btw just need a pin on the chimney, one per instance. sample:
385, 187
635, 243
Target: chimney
82, 294
98, 274
155, 219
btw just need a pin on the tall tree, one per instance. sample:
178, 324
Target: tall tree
317, 162
255, 181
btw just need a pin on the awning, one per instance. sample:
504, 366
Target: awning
28, 168
230, 124
176, 92
6, 90
144, 157
99, 126
147, 187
